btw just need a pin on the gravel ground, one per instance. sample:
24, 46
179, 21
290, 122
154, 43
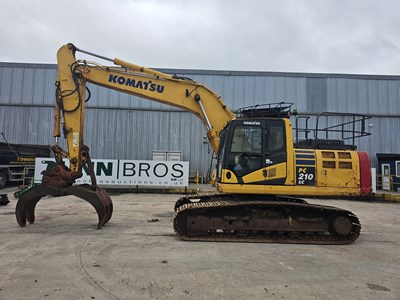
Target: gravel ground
137, 256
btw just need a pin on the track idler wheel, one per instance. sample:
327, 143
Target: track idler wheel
98, 198
342, 225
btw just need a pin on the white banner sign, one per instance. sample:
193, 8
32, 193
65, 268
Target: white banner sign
128, 172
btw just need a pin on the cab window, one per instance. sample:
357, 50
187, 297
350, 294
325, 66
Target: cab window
246, 139
275, 141
245, 154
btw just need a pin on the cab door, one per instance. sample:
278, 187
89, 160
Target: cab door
275, 152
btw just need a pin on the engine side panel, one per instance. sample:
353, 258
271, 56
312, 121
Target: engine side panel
317, 173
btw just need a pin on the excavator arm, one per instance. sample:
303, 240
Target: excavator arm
71, 96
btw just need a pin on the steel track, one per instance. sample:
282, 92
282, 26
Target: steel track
219, 207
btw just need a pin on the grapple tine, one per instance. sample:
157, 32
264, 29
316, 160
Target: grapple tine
25, 209
98, 198
106, 200
30, 209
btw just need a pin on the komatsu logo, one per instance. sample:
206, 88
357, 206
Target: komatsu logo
251, 123
138, 84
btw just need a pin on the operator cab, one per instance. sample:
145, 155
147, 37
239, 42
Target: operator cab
252, 142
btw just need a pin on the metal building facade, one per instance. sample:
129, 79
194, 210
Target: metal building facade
120, 126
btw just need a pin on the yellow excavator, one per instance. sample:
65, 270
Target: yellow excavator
260, 167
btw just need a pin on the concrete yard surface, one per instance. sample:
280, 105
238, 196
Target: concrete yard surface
137, 256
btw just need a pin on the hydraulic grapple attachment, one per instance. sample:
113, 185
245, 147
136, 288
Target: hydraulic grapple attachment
58, 182
98, 198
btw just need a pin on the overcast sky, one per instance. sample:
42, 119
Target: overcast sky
323, 36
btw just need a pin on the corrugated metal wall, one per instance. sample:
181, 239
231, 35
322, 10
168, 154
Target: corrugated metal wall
121, 126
